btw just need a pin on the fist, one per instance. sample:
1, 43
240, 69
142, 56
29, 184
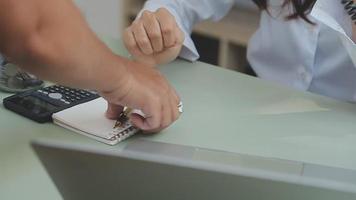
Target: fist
154, 38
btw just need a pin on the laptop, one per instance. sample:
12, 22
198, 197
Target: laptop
144, 169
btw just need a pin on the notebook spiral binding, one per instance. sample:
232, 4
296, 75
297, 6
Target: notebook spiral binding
350, 8
121, 134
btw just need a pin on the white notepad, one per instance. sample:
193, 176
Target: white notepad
89, 119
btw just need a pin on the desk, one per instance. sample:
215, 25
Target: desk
223, 110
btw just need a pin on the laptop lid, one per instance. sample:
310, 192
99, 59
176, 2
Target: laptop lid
154, 170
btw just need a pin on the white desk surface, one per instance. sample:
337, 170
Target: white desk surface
223, 110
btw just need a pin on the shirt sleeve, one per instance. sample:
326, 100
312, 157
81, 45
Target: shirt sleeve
189, 12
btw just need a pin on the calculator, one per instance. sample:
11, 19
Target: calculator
40, 104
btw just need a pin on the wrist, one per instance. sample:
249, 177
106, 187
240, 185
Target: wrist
112, 75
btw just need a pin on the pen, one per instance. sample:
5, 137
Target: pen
123, 117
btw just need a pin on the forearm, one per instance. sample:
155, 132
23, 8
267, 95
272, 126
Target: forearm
190, 12
187, 13
52, 40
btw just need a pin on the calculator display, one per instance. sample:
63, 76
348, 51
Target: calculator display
34, 104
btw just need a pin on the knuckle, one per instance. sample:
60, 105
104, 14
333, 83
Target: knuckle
162, 10
126, 34
181, 36
155, 125
128, 42
155, 35
166, 122
167, 30
146, 13
135, 22
143, 41
131, 47
153, 105
127, 30
131, 43
157, 99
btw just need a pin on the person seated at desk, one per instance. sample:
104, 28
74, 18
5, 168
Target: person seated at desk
290, 47
52, 40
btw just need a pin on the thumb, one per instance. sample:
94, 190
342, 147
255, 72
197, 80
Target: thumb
113, 111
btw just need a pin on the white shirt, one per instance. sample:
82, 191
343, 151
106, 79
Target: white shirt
293, 53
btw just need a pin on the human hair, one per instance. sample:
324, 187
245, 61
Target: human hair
301, 7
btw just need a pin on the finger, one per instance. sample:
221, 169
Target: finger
176, 96
113, 110
167, 25
175, 111
152, 119
153, 31
166, 115
151, 123
130, 43
179, 36
141, 38
137, 120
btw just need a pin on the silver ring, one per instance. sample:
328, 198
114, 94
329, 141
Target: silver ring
180, 107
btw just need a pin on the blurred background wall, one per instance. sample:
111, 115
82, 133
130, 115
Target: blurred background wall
103, 16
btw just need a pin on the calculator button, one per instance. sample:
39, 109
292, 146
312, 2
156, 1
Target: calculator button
64, 101
55, 95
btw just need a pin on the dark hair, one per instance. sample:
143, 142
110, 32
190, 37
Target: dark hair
301, 7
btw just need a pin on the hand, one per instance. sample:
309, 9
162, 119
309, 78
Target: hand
144, 88
154, 38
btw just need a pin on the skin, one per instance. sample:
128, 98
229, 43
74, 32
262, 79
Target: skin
154, 38
50, 38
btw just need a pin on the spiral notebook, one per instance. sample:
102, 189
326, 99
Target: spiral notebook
89, 119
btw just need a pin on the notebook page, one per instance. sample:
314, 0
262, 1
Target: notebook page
88, 117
